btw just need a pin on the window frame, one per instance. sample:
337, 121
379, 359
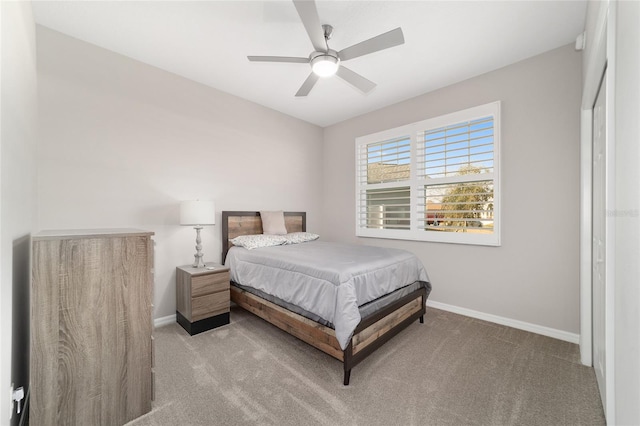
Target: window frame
415, 183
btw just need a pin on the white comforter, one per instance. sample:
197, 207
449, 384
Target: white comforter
328, 279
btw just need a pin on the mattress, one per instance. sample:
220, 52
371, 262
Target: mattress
329, 280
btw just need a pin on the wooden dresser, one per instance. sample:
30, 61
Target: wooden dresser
91, 325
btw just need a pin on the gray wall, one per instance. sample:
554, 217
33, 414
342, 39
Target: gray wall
122, 143
17, 194
533, 276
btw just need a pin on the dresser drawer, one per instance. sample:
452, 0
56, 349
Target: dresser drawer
210, 305
210, 283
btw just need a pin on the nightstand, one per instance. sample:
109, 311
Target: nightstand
202, 297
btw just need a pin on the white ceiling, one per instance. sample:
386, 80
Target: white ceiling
208, 42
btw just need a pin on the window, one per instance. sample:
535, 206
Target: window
435, 180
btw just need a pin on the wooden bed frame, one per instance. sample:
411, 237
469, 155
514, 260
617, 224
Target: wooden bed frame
372, 332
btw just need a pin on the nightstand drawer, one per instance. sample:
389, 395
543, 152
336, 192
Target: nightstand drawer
210, 305
210, 283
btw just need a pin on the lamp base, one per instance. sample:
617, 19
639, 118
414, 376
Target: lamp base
198, 262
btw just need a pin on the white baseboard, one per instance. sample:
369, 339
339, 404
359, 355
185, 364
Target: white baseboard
520, 325
159, 322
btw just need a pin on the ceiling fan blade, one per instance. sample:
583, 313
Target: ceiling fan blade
309, 16
278, 59
307, 85
381, 42
355, 79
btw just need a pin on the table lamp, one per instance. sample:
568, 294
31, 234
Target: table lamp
198, 213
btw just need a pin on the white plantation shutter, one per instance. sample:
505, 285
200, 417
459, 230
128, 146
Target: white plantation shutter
456, 164
386, 161
386, 208
435, 180
382, 204
442, 151
459, 207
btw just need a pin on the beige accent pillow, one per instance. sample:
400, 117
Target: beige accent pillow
273, 222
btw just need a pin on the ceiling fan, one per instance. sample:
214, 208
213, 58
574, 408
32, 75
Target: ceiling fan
326, 62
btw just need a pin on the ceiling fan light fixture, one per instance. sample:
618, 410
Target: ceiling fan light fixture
325, 65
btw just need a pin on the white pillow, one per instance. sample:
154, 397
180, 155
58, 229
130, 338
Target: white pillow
300, 237
273, 222
251, 242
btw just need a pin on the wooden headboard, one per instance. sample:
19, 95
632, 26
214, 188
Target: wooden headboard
235, 224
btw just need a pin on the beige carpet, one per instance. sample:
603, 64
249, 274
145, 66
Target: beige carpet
451, 370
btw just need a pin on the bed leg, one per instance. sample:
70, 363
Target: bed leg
421, 319
347, 375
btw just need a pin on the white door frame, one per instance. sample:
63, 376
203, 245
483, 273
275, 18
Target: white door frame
602, 56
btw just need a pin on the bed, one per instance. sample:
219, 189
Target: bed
350, 339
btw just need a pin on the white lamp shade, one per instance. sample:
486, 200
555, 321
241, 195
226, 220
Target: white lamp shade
197, 212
